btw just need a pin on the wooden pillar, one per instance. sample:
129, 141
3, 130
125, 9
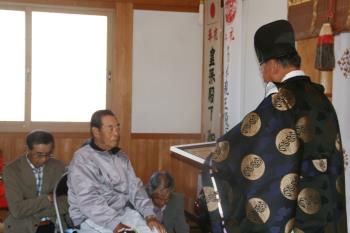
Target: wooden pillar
307, 51
326, 79
121, 83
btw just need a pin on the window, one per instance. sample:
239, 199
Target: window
54, 66
12, 63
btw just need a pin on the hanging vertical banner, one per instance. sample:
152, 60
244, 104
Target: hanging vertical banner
232, 63
341, 97
212, 78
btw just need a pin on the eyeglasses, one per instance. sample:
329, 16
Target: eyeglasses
41, 155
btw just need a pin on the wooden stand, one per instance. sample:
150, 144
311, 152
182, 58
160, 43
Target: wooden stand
186, 163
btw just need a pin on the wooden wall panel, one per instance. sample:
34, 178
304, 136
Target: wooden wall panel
11, 144
67, 144
186, 179
149, 153
307, 51
14, 145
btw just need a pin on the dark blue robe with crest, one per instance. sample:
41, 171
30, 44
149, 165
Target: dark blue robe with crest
281, 168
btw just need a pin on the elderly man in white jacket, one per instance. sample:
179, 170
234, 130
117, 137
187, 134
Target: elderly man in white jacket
104, 193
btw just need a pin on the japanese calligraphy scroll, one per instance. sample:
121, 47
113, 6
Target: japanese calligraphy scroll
232, 63
212, 78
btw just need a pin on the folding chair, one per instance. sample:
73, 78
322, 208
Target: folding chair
61, 188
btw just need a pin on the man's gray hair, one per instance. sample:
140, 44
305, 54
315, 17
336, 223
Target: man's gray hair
160, 180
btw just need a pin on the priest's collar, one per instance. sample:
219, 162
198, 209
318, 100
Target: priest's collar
271, 87
293, 74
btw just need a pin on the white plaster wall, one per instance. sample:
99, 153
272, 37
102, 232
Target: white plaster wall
167, 72
255, 14
167, 67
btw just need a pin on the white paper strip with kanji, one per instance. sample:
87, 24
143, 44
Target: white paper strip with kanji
212, 80
232, 62
341, 98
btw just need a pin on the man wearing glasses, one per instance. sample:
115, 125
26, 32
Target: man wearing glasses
29, 182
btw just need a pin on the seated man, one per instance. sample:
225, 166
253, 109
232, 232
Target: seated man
104, 193
168, 205
29, 182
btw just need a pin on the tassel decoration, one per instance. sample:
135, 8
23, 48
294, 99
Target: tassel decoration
325, 60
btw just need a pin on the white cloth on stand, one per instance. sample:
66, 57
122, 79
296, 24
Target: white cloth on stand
341, 101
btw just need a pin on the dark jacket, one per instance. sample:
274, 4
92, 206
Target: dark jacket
174, 215
25, 207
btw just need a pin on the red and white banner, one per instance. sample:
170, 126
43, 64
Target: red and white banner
341, 98
212, 79
232, 63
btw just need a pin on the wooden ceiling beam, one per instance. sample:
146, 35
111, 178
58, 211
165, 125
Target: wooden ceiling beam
162, 5
166, 8
167, 5
77, 3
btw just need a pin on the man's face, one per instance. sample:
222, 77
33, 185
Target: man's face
161, 197
108, 136
40, 154
266, 71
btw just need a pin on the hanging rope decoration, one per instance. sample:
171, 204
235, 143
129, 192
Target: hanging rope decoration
325, 60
